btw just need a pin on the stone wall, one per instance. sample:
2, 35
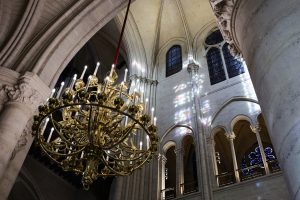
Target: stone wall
45, 184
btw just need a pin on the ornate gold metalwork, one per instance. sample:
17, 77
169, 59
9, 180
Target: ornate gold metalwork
96, 130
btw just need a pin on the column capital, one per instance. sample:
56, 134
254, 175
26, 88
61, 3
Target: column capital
230, 135
255, 128
29, 90
192, 67
223, 10
162, 158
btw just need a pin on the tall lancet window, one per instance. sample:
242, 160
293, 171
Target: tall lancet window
221, 64
174, 60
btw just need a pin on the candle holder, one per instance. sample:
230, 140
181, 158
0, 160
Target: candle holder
96, 130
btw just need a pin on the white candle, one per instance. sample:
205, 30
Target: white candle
50, 135
112, 69
136, 98
82, 153
73, 81
154, 122
141, 145
142, 96
82, 75
70, 149
125, 76
126, 120
148, 142
52, 93
107, 155
45, 125
138, 84
60, 89
97, 66
152, 114
146, 104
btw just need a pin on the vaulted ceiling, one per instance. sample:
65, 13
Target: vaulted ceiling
157, 22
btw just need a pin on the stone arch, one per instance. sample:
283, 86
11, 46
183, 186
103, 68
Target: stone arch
216, 129
170, 129
163, 50
198, 41
229, 101
167, 146
65, 44
165, 47
190, 178
238, 118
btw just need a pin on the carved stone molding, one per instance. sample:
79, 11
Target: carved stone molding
23, 93
23, 139
223, 11
29, 90
230, 136
255, 128
3, 96
143, 80
192, 68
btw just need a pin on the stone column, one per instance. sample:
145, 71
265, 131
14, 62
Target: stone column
256, 129
214, 160
200, 141
23, 99
267, 33
162, 162
231, 137
179, 172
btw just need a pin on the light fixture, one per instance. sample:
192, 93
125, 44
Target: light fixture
97, 130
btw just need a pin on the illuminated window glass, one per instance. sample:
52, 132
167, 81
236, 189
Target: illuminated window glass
221, 69
174, 60
214, 38
234, 66
215, 66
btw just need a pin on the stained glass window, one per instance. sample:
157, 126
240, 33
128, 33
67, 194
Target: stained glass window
254, 159
174, 60
214, 38
215, 66
216, 49
234, 66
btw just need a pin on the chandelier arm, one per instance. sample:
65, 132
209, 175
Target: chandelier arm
121, 140
54, 122
141, 154
89, 126
58, 130
121, 174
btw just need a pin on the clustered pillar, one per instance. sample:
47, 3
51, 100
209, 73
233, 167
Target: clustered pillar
22, 100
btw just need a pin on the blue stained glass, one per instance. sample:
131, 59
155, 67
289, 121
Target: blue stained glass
214, 38
234, 66
215, 66
174, 60
255, 159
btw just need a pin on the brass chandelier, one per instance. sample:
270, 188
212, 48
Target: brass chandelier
97, 129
